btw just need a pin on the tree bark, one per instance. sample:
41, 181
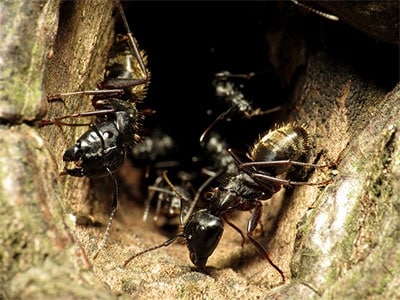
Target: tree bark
337, 241
40, 255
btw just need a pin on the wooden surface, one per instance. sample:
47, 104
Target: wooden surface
338, 241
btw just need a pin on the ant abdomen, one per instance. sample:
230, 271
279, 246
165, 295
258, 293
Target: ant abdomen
288, 142
124, 70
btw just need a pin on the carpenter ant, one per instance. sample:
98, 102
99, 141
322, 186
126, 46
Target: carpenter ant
273, 154
161, 151
155, 151
102, 149
157, 146
175, 202
214, 149
226, 89
168, 204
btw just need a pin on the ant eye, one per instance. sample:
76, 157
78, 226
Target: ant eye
108, 134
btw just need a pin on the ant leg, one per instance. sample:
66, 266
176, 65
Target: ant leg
287, 182
320, 13
258, 112
253, 113
243, 165
281, 163
230, 223
112, 88
224, 75
57, 121
110, 219
108, 93
181, 197
151, 192
133, 45
161, 198
257, 175
198, 193
251, 226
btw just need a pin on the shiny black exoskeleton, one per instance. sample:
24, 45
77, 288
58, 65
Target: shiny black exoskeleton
102, 149
246, 190
214, 150
232, 94
273, 154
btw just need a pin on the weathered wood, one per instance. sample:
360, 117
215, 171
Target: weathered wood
338, 241
28, 28
40, 256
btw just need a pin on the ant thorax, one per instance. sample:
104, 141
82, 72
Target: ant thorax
239, 190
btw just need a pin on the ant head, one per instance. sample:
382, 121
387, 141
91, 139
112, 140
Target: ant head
96, 141
203, 232
95, 151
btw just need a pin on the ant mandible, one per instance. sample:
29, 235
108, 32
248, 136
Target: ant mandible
273, 154
102, 149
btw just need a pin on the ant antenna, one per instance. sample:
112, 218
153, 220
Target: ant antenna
164, 175
115, 199
181, 234
320, 13
196, 197
258, 112
172, 239
198, 193
220, 117
132, 42
110, 219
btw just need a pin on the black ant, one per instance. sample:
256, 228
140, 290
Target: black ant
102, 149
155, 151
214, 149
273, 154
157, 146
175, 203
160, 151
229, 91
168, 204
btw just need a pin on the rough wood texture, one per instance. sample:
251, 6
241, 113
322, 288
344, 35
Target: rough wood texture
338, 241
28, 28
40, 256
